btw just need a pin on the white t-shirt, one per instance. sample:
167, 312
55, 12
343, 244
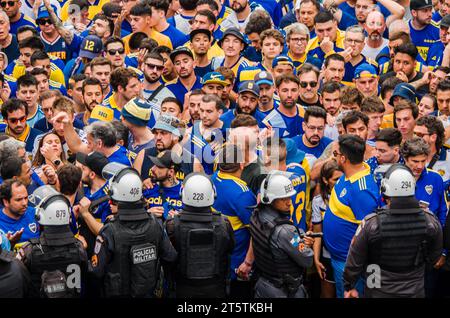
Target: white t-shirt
372, 53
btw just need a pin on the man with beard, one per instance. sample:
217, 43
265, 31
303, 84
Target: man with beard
247, 103
243, 11
331, 101
16, 17
288, 117
309, 85
195, 98
312, 141
267, 100
91, 95
334, 68
183, 60
354, 44
374, 26
437, 76
200, 44
153, 90
423, 32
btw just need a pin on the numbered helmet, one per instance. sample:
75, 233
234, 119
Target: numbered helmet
198, 191
398, 181
52, 208
125, 182
276, 185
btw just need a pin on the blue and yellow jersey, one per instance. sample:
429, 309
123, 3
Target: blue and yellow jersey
28, 136
243, 69
423, 39
27, 221
436, 17
287, 127
313, 48
23, 20
223, 14
167, 197
57, 86
58, 48
177, 38
351, 200
435, 54
430, 188
38, 115
94, 8
236, 201
121, 155
300, 200
214, 51
110, 102
228, 117
350, 70
312, 153
103, 210
179, 90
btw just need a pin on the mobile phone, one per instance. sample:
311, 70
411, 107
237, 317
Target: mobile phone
314, 234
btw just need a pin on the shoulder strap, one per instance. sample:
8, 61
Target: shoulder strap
155, 92
433, 160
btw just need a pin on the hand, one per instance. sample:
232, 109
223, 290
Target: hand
328, 4
347, 54
402, 76
172, 213
83, 241
330, 120
243, 271
351, 294
440, 262
50, 173
425, 80
5, 92
147, 183
321, 270
309, 241
14, 238
141, 56
84, 206
80, 27
158, 211
326, 45
48, 152
61, 117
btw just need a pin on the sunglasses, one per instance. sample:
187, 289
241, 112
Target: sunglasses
153, 66
16, 120
113, 52
305, 84
44, 21
9, 3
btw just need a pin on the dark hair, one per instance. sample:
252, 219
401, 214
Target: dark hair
213, 6
174, 100
109, 9
326, 172
209, 15
188, 4
306, 68
69, 177
136, 39
352, 147
11, 167
389, 85
414, 147
286, 78
280, 151
148, 44
352, 117
441, 68
34, 42
154, 55
334, 57
162, 49
90, 81
407, 48
243, 120
406, 104
405, 37
227, 73
351, 95
315, 111
47, 94
39, 159
208, 98
330, 88
12, 105
25, 28
433, 99
104, 17
159, 5
443, 85
259, 21
39, 56
391, 136
229, 159
323, 17
26, 80
113, 39
121, 77
38, 71
141, 9
372, 104
434, 126
314, 2
82, 4
122, 132
6, 188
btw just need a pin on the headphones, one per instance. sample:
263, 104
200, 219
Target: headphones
388, 173
198, 174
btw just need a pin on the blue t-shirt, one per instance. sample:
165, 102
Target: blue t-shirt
423, 39
287, 127
179, 90
313, 152
121, 155
167, 197
228, 117
27, 221
104, 209
177, 37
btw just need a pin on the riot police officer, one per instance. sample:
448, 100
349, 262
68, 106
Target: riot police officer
393, 245
128, 248
56, 260
204, 240
282, 251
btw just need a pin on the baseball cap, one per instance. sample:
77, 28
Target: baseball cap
214, 78
166, 159
198, 31
137, 111
249, 86
282, 60
95, 161
101, 113
180, 50
445, 22
91, 47
168, 123
404, 90
43, 12
420, 4
365, 70
235, 32
293, 154
264, 77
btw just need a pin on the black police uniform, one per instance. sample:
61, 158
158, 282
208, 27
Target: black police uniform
281, 263
401, 252
14, 277
204, 241
128, 250
50, 258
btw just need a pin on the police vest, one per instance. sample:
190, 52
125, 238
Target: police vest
401, 246
266, 264
133, 271
201, 241
50, 258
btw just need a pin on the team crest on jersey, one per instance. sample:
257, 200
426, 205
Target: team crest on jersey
429, 189
343, 193
441, 172
32, 227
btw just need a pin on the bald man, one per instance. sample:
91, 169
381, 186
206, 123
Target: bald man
375, 26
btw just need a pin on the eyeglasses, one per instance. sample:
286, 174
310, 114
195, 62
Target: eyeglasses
298, 39
420, 135
113, 52
9, 3
314, 128
16, 120
335, 154
153, 66
305, 84
43, 21
354, 41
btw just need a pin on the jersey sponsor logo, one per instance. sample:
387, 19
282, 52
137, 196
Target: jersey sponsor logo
429, 189
144, 254
343, 193
32, 227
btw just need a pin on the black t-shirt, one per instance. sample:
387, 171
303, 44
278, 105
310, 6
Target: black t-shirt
306, 104
254, 174
12, 50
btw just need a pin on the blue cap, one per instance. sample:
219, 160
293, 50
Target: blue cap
214, 78
367, 69
91, 47
293, 154
137, 111
249, 86
404, 90
264, 77
43, 12
282, 59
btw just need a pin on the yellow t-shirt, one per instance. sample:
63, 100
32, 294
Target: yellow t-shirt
153, 34
56, 74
